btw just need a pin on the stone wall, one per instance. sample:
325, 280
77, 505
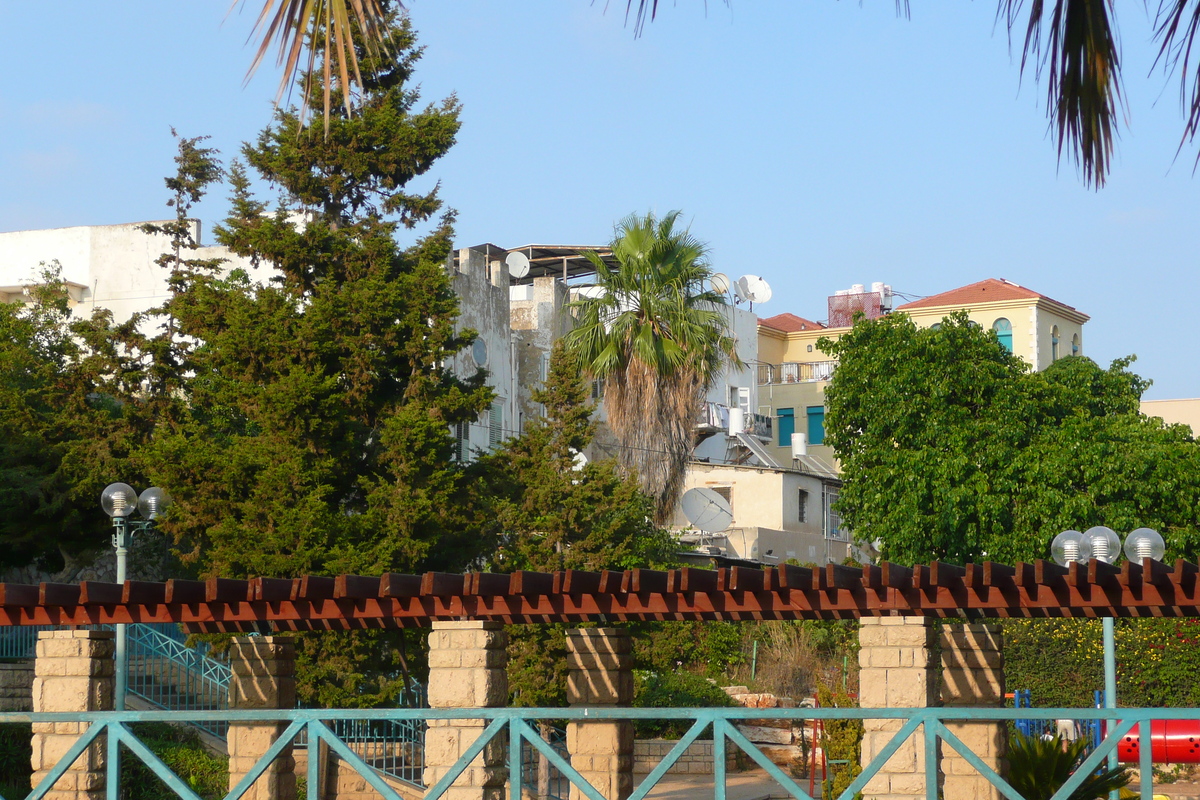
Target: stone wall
973, 675
600, 662
264, 676
896, 672
696, 760
16, 686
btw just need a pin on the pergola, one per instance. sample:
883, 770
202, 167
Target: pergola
346, 602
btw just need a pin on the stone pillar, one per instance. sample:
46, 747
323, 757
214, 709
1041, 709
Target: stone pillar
264, 676
468, 664
600, 662
73, 672
896, 672
973, 675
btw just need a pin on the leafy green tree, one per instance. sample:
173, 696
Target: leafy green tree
656, 336
302, 423
952, 449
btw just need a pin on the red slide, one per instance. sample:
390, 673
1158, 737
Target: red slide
1172, 741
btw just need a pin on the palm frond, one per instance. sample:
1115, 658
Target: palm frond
1075, 42
1175, 28
295, 24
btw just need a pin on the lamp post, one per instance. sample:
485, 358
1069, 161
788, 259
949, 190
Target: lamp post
1103, 544
120, 501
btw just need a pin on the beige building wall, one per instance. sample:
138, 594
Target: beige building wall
1175, 412
766, 506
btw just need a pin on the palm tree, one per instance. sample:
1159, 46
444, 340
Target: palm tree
1076, 43
657, 336
1039, 767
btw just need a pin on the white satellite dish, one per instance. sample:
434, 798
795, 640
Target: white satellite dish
753, 289
706, 510
579, 462
518, 264
719, 283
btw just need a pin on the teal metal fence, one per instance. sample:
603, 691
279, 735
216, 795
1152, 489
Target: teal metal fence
165, 672
518, 726
538, 772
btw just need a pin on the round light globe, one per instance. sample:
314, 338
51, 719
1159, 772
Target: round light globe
1066, 547
1100, 543
119, 500
154, 501
1145, 543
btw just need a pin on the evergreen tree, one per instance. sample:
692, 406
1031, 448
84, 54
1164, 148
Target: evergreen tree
553, 514
302, 424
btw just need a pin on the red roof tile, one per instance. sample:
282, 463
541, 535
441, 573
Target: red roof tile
990, 290
789, 323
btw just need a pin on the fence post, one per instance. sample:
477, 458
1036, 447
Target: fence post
600, 662
468, 663
973, 675
73, 672
264, 676
895, 656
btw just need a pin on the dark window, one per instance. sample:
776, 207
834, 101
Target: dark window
802, 508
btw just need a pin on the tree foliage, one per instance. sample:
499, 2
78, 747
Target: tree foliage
552, 514
656, 335
302, 422
952, 449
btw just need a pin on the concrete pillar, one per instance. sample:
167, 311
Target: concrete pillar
468, 664
264, 676
73, 672
600, 661
973, 675
896, 672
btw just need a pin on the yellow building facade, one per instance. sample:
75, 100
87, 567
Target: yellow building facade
793, 371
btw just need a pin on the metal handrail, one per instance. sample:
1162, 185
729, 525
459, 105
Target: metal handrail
927, 725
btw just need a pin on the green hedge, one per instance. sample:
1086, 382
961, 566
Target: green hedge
673, 690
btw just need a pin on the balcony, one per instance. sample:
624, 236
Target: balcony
795, 372
714, 418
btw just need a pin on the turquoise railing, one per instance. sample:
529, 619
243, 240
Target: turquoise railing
557, 786
926, 724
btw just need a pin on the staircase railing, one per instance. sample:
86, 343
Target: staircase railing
166, 673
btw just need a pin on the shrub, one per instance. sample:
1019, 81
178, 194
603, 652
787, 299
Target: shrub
673, 690
184, 754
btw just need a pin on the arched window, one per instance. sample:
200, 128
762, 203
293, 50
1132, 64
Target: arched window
1075, 344
1003, 329
1054, 343
937, 326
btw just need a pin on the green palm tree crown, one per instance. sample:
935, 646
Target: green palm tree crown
658, 336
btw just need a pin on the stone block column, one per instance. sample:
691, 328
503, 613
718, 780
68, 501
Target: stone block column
600, 661
73, 672
973, 675
468, 664
264, 676
896, 671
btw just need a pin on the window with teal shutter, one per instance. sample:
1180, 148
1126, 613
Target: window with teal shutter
816, 424
1003, 329
787, 426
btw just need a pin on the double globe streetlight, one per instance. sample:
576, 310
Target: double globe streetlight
1103, 544
120, 501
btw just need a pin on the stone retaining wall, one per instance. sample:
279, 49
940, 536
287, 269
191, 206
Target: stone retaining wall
16, 686
696, 760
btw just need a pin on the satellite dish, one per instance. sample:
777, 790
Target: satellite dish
579, 462
739, 291
719, 283
518, 264
706, 510
753, 289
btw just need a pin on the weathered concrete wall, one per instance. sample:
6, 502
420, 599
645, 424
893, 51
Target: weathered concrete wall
482, 288
264, 676
73, 672
538, 318
467, 669
896, 671
973, 675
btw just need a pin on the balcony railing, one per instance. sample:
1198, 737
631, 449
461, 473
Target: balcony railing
795, 372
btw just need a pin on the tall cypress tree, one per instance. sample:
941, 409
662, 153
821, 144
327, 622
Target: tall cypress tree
312, 429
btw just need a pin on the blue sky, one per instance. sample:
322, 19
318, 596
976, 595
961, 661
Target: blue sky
816, 143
